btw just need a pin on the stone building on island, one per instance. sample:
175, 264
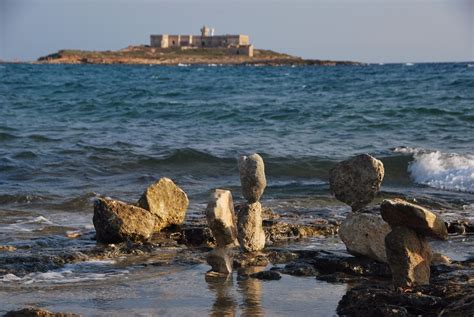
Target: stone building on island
234, 44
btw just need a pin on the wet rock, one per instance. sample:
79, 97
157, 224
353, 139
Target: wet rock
250, 259
280, 230
252, 177
249, 228
438, 258
266, 275
195, 236
220, 261
115, 221
166, 201
461, 307
398, 212
36, 312
299, 269
356, 181
364, 234
409, 256
329, 263
282, 256
221, 219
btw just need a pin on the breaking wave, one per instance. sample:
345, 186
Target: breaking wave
449, 171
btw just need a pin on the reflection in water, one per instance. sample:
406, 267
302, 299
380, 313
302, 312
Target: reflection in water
221, 285
251, 290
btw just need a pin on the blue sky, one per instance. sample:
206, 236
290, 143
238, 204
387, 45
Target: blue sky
360, 30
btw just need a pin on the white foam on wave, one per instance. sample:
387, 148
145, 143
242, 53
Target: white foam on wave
70, 273
448, 171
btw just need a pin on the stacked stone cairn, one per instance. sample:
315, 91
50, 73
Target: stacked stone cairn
249, 226
162, 204
221, 220
356, 182
408, 252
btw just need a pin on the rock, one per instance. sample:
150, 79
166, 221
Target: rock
329, 263
266, 275
36, 312
461, 307
356, 181
364, 234
115, 221
409, 256
166, 201
398, 212
438, 259
249, 228
221, 218
244, 260
8, 248
299, 269
252, 177
220, 261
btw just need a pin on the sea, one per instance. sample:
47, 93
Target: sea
72, 133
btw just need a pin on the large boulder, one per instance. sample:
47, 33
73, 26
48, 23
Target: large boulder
364, 234
249, 227
398, 212
166, 202
116, 221
409, 256
220, 260
221, 218
356, 181
252, 177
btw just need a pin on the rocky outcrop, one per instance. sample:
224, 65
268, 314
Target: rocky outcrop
356, 181
409, 256
250, 231
220, 260
252, 177
221, 218
364, 234
36, 312
398, 212
116, 221
166, 202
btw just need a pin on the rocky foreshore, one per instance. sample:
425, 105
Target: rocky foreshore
145, 55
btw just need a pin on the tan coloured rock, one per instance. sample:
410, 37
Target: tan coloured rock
220, 260
116, 221
166, 201
398, 212
409, 256
252, 177
249, 228
356, 181
221, 218
364, 234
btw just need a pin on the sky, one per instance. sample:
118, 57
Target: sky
357, 30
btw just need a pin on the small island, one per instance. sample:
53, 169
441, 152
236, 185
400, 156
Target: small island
204, 49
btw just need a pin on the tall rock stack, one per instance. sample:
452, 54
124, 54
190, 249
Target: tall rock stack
249, 226
221, 220
356, 182
408, 252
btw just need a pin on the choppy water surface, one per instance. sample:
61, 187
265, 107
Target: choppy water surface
71, 133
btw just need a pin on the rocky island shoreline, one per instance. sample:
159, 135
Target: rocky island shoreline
147, 55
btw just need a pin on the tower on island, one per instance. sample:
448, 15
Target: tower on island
238, 44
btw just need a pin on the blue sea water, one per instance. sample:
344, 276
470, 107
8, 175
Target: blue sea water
69, 133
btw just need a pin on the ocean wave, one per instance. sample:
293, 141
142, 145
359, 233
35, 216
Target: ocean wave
449, 171
21, 198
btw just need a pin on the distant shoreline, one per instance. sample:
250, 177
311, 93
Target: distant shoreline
145, 55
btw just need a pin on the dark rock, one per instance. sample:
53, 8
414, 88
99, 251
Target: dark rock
356, 266
115, 221
398, 212
244, 260
356, 181
166, 202
462, 307
299, 269
280, 231
36, 312
409, 256
266, 275
281, 256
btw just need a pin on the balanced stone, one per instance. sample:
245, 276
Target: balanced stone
356, 181
364, 234
252, 177
398, 212
166, 202
249, 228
116, 221
409, 256
221, 218
220, 260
